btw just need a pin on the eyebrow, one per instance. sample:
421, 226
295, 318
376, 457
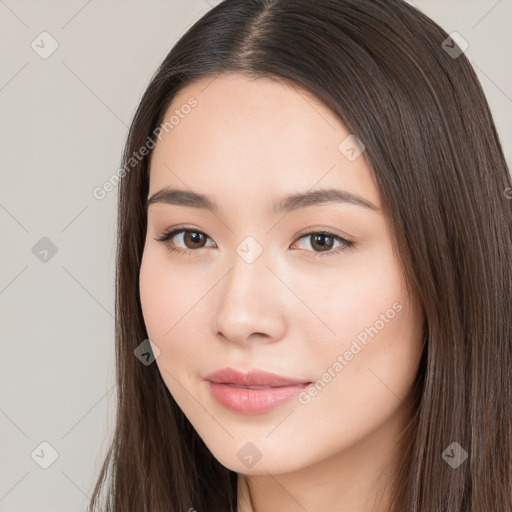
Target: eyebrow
287, 204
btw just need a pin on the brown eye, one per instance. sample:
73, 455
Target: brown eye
191, 240
194, 239
322, 242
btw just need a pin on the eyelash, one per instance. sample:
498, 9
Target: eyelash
168, 235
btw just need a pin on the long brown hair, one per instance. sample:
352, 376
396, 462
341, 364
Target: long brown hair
383, 67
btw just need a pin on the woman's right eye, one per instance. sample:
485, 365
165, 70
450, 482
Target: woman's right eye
193, 238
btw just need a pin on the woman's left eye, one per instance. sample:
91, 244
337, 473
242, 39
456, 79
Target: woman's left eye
325, 241
322, 240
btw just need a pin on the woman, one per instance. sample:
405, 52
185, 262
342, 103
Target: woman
314, 271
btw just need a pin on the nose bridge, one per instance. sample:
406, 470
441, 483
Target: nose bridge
250, 250
250, 273
247, 301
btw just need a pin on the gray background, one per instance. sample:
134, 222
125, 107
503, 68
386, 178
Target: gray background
64, 122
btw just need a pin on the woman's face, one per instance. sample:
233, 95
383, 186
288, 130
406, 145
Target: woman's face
256, 284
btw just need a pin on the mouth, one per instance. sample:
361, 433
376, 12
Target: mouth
248, 387
255, 392
252, 379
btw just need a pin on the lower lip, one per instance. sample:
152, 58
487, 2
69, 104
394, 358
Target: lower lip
253, 401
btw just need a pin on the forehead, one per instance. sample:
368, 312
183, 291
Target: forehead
241, 106
254, 135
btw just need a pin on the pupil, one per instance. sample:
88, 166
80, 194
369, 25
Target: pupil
196, 237
324, 246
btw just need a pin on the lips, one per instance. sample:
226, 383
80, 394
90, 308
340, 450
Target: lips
254, 392
254, 379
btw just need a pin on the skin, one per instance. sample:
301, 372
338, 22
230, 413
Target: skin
246, 144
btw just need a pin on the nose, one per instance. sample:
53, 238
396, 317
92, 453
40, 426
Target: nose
250, 303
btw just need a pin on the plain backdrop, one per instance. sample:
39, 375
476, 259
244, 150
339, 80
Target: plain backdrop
65, 117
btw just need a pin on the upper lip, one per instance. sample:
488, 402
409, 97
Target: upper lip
253, 377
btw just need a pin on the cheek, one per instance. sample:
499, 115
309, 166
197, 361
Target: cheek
171, 307
167, 293
370, 337
354, 302
156, 297
163, 302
